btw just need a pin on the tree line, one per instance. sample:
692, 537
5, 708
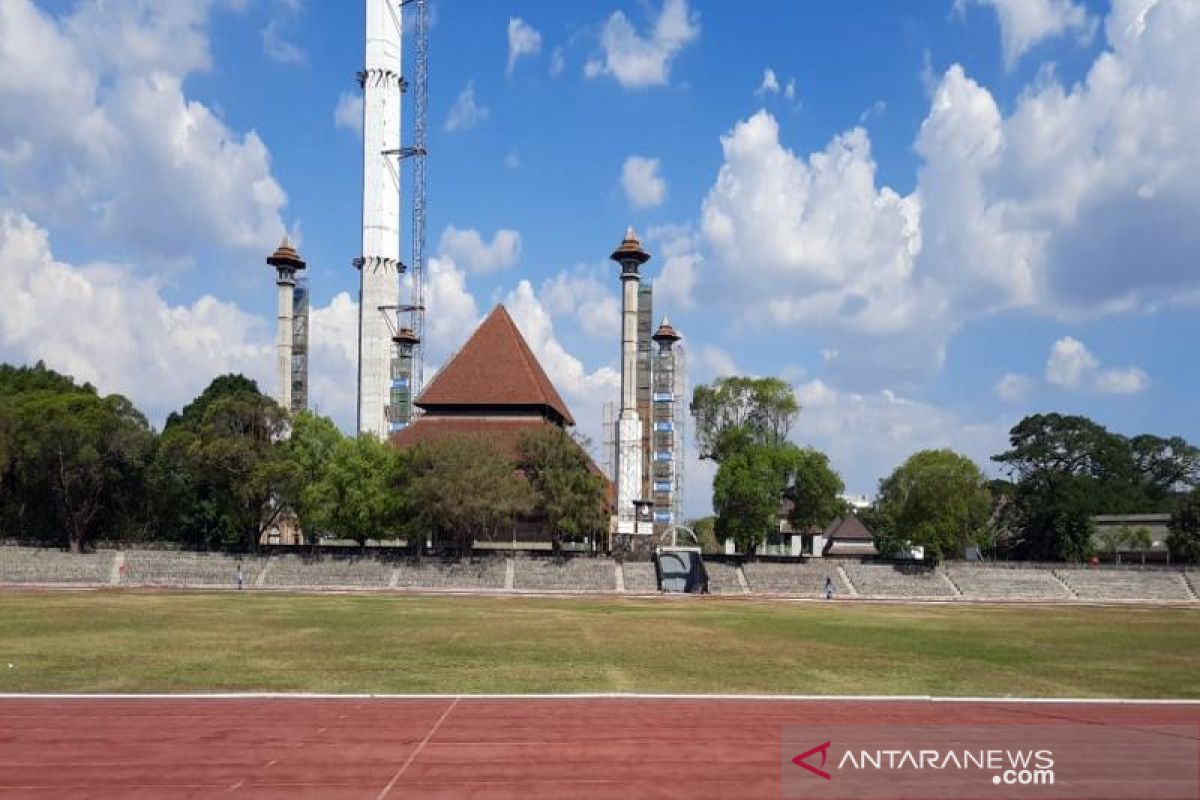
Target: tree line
1061, 471
77, 467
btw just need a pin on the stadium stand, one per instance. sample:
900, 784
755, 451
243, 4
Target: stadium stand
640, 577
1112, 584
886, 580
1000, 583
173, 568
806, 579
326, 571
570, 574
472, 573
1193, 580
34, 565
722, 578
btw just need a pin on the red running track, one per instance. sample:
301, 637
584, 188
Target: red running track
473, 747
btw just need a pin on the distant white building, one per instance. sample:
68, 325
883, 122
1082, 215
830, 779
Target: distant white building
856, 501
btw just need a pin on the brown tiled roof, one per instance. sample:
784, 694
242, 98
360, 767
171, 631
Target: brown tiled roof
494, 368
849, 529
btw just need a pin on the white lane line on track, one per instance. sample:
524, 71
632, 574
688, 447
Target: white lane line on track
916, 698
413, 756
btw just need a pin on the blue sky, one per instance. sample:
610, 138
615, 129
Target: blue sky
932, 218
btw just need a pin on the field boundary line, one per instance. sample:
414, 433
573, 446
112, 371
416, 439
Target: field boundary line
599, 696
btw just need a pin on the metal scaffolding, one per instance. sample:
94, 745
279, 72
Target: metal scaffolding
645, 368
420, 124
299, 346
666, 445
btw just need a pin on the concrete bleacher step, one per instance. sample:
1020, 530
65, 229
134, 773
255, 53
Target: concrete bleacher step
893, 582
794, 578
575, 574
982, 582
722, 578
46, 566
1118, 584
640, 577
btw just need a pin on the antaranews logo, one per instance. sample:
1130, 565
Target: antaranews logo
987, 762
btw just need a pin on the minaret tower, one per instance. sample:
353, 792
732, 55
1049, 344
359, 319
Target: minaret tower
379, 265
665, 452
630, 256
287, 263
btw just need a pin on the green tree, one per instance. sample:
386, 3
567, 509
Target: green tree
220, 472
1065, 470
359, 493
1141, 539
1183, 541
1113, 539
814, 489
464, 489
567, 493
747, 492
736, 412
706, 534
309, 450
75, 458
936, 499
1164, 466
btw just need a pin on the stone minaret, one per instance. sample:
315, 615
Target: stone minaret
379, 265
287, 263
630, 255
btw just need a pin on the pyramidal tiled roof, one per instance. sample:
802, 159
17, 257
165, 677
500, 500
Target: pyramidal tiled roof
494, 368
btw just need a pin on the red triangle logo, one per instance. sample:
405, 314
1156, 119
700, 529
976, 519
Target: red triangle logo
801, 760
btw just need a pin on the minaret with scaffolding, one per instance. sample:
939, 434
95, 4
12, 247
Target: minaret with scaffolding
391, 331
379, 264
665, 451
291, 340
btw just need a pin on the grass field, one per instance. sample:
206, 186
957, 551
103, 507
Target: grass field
164, 642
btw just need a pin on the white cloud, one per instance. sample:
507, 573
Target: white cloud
97, 133
1131, 380
681, 259
644, 186
513, 159
1070, 362
558, 61
790, 90
868, 435
466, 113
638, 61
348, 113
1072, 366
709, 362
103, 324
333, 360
584, 392
1014, 388
591, 301
451, 313
279, 49
1026, 23
468, 248
769, 85
523, 40
1077, 203
827, 246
